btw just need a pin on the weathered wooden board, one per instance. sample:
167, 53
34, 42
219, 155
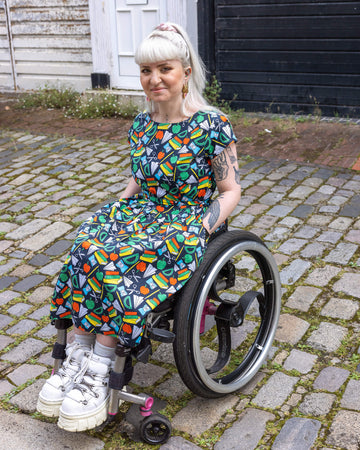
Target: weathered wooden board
285, 55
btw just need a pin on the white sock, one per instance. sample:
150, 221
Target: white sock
104, 351
87, 340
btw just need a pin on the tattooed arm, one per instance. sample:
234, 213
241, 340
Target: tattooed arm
227, 178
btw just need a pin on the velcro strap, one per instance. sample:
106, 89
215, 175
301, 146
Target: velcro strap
116, 380
58, 351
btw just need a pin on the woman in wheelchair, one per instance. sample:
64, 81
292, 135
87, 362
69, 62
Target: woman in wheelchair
134, 253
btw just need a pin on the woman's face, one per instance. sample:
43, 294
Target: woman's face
163, 81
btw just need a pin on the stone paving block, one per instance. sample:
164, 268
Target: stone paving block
52, 269
313, 250
22, 327
276, 390
6, 227
25, 372
5, 341
351, 397
292, 245
22, 271
7, 296
28, 283
327, 337
353, 236
28, 229
297, 434
301, 192
306, 232
322, 276
290, 274
9, 265
164, 353
352, 209
25, 350
265, 221
26, 399
277, 234
4, 245
22, 179
291, 329
329, 236
303, 362
331, 379
46, 236
303, 297
40, 313
19, 309
317, 404
147, 374
246, 432
201, 414
242, 221
4, 321
303, 211
173, 387
342, 253
178, 443
39, 260
49, 211
5, 387
341, 223
19, 431
345, 431
40, 294
349, 284
46, 332
340, 308
59, 247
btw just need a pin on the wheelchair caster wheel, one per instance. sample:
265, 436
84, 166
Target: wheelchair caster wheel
155, 429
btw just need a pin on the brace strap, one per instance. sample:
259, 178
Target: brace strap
59, 351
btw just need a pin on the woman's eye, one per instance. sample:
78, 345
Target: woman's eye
166, 69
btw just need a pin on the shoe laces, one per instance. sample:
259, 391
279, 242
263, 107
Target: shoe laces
70, 365
86, 380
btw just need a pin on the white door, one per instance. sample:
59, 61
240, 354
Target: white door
134, 19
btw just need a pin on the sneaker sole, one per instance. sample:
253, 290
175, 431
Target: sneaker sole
85, 421
48, 409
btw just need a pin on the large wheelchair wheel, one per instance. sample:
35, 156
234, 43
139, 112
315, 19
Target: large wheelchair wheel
226, 315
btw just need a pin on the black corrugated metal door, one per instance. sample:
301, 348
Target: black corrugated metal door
285, 56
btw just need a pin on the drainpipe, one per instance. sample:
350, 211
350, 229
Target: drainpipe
10, 40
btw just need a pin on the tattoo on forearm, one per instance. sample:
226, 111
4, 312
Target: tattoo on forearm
237, 175
221, 167
213, 213
232, 157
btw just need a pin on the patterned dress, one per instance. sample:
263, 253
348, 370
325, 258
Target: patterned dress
134, 253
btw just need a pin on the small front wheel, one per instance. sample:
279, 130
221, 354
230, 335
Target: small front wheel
155, 429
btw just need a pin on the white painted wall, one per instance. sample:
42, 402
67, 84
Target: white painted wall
51, 42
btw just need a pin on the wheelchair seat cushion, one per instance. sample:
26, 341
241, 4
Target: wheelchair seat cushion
134, 253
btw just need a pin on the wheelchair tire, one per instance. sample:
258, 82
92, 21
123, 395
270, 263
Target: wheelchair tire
155, 429
239, 284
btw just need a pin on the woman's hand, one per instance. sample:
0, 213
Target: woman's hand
131, 189
226, 170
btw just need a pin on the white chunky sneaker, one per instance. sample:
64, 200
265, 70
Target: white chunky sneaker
85, 406
60, 383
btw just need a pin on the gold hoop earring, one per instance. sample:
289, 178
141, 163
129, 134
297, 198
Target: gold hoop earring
185, 90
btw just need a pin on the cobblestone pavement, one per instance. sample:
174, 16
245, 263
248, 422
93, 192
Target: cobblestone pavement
308, 394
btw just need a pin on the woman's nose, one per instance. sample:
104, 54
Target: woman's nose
155, 77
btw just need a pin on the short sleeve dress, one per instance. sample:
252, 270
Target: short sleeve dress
134, 253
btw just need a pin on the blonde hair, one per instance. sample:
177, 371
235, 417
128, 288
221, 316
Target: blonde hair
170, 41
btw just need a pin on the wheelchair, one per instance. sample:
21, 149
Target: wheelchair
221, 324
